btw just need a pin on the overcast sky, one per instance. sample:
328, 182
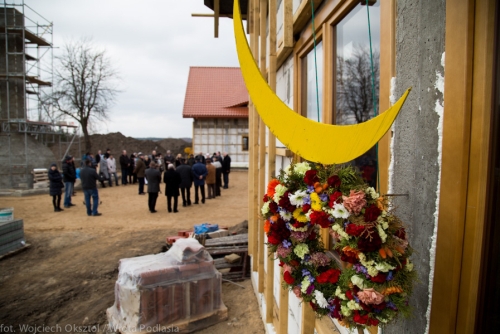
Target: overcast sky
152, 44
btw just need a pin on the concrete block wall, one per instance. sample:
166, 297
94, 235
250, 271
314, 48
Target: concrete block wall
420, 40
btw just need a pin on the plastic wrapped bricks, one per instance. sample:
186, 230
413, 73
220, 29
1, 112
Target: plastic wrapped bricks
178, 289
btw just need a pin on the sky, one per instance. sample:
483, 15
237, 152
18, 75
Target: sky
152, 44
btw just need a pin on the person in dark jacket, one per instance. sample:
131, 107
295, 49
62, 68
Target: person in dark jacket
172, 181
153, 175
199, 174
218, 175
89, 177
226, 168
191, 160
124, 165
55, 187
132, 177
184, 171
69, 177
140, 168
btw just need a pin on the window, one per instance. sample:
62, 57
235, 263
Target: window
354, 94
311, 95
244, 143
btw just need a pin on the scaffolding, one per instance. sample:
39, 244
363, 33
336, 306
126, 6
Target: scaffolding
26, 73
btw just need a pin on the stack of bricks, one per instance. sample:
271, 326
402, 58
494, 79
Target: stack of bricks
182, 295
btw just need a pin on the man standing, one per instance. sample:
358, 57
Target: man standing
218, 174
226, 168
124, 165
153, 176
172, 181
201, 157
112, 170
140, 168
184, 171
89, 177
169, 158
210, 179
199, 173
69, 177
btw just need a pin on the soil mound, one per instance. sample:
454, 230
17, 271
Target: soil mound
117, 142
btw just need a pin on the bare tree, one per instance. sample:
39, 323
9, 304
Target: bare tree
354, 86
85, 86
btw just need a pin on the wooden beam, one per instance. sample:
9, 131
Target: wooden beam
283, 311
308, 319
216, 18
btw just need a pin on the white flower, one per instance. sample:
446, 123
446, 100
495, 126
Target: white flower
373, 194
301, 168
409, 266
352, 305
345, 310
297, 198
384, 267
339, 211
358, 281
305, 284
299, 229
285, 215
383, 235
385, 225
340, 231
320, 299
361, 257
279, 191
265, 208
372, 271
339, 294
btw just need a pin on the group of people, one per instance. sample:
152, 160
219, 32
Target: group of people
179, 174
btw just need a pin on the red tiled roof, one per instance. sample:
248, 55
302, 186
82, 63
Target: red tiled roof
215, 92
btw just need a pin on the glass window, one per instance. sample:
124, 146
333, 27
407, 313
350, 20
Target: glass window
244, 143
354, 92
313, 95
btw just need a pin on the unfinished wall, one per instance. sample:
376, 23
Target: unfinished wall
39, 156
420, 38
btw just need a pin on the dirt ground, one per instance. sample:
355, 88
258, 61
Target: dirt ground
67, 277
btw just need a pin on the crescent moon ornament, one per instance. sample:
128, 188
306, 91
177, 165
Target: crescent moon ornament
314, 141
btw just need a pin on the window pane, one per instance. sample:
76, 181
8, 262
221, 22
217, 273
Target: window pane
313, 95
354, 90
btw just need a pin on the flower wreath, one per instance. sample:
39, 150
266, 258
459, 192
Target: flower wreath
377, 278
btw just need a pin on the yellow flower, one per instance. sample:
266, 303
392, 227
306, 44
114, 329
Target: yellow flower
316, 203
300, 216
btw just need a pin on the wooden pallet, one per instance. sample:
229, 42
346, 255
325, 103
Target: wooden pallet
237, 244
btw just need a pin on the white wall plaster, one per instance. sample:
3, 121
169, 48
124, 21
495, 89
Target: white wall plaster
439, 108
392, 99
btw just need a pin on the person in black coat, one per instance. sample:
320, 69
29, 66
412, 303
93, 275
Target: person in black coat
69, 177
132, 177
56, 185
172, 181
226, 169
153, 175
184, 171
125, 165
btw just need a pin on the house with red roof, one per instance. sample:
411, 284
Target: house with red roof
217, 100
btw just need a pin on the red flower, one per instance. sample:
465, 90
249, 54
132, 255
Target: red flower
294, 263
355, 230
285, 202
347, 258
334, 181
380, 306
265, 198
380, 278
278, 232
306, 208
369, 243
336, 312
320, 218
288, 278
310, 178
373, 322
349, 295
273, 207
329, 276
312, 236
314, 306
372, 213
333, 198
360, 319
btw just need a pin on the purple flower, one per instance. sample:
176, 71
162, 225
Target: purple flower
310, 189
319, 259
286, 243
390, 276
310, 289
390, 304
324, 197
306, 272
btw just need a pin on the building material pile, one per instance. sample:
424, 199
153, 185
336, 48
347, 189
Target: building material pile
178, 289
11, 232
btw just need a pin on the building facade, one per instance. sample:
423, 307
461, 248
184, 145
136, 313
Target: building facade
217, 100
441, 157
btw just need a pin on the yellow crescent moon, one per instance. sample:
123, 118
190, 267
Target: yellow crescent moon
314, 141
